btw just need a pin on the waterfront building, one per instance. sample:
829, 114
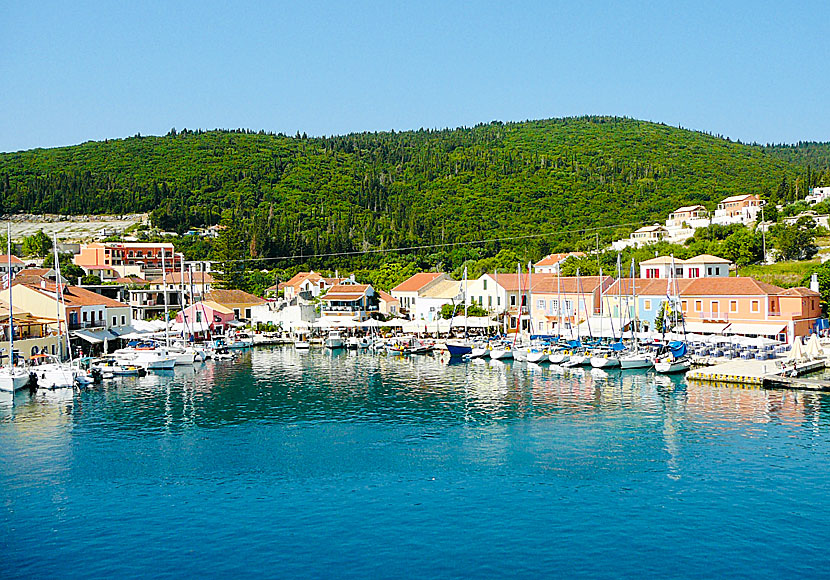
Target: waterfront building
349, 301
206, 315
435, 297
411, 289
388, 305
569, 299
308, 285
745, 306
32, 335
552, 263
237, 301
89, 316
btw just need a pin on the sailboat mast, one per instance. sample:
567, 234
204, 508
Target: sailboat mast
57, 294
9, 282
559, 298
465, 301
164, 287
634, 299
529, 300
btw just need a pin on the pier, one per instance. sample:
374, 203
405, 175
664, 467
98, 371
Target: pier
763, 374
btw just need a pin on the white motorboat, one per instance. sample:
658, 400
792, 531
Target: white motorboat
151, 358
559, 358
241, 340
51, 373
353, 343
334, 339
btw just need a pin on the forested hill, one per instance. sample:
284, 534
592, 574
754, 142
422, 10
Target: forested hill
286, 195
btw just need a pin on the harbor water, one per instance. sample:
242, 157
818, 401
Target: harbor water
355, 465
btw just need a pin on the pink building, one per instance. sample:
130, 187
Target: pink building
206, 315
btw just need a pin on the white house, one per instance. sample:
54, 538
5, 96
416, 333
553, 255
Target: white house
702, 266
643, 236
738, 209
552, 263
431, 300
818, 195
410, 290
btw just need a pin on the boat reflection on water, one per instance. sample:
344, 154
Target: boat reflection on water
276, 383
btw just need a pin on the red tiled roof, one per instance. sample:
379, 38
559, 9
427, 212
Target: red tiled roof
553, 259
340, 291
551, 284
742, 286
75, 296
800, 291
225, 297
416, 282
386, 297
4, 259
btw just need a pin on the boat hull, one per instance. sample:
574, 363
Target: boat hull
458, 350
601, 362
13, 381
670, 367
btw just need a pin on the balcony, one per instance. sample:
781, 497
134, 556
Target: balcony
357, 308
714, 316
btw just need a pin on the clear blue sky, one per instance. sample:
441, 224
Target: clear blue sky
75, 71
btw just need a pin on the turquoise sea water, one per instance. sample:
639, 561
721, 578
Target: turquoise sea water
354, 465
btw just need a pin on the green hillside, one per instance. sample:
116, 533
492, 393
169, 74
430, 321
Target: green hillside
286, 195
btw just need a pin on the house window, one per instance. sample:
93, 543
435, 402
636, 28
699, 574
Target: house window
678, 272
512, 300
236, 313
733, 306
247, 313
85, 317
485, 284
708, 271
198, 317
123, 320
489, 301
647, 304
715, 306
498, 300
114, 320
698, 305
512, 322
541, 304
756, 306
683, 306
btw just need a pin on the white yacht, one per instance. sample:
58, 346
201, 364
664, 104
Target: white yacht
334, 339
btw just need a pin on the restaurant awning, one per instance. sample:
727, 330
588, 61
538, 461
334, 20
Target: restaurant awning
758, 329
702, 327
94, 336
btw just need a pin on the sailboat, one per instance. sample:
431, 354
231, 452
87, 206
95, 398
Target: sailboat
50, 371
460, 348
638, 358
578, 356
609, 358
12, 378
675, 358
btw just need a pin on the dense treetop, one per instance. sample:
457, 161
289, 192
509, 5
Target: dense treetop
286, 196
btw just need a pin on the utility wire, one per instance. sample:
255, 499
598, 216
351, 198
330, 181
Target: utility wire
421, 247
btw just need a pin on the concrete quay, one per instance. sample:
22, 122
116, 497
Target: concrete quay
762, 374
